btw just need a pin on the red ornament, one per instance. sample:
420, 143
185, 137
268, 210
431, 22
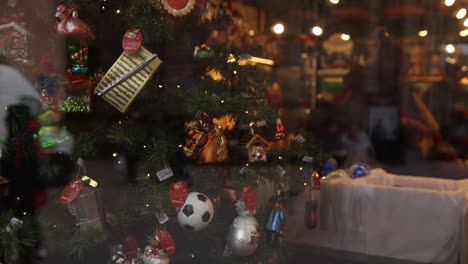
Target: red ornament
131, 41
249, 198
178, 7
166, 241
130, 247
71, 191
70, 25
316, 180
178, 193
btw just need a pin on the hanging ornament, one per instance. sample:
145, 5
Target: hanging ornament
205, 141
127, 77
14, 40
311, 205
154, 254
70, 25
178, 193
131, 41
196, 213
243, 236
256, 149
203, 52
222, 17
166, 241
178, 7
249, 198
330, 165
280, 130
358, 170
78, 58
276, 221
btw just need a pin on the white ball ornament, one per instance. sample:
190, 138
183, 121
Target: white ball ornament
196, 213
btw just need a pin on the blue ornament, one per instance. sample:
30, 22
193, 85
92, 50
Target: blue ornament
79, 70
359, 170
329, 166
276, 220
49, 83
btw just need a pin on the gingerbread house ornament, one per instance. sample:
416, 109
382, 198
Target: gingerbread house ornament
257, 148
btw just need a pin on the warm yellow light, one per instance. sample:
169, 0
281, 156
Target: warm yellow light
423, 33
262, 60
334, 1
317, 30
449, 2
450, 48
278, 28
114, 155
461, 13
345, 37
118, 11
463, 33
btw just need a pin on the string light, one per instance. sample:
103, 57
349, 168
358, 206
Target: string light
345, 37
461, 13
300, 168
114, 155
235, 72
222, 101
449, 2
335, 2
317, 31
423, 33
246, 112
280, 158
147, 175
147, 205
278, 28
160, 86
118, 11
180, 146
463, 33
450, 48
103, 7
144, 146
178, 86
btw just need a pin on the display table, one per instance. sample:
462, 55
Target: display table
409, 218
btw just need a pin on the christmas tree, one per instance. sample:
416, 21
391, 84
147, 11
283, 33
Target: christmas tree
187, 100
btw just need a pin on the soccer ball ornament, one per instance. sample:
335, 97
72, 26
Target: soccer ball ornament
196, 213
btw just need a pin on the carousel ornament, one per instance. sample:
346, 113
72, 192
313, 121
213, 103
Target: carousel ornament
205, 141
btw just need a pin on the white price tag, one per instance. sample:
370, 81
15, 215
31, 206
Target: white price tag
300, 139
161, 216
164, 174
308, 159
280, 171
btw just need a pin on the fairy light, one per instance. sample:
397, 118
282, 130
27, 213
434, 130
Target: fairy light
178, 86
450, 48
300, 168
144, 146
335, 2
463, 33
280, 158
25, 213
305, 183
278, 28
461, 13
180, 146
118, 11
345, 37
317, 31
147, 205
103, 7
120, 122
246, 164
160, 86
449, 2
222, 101
423, 33
114, 154
235, 72
147, 175
246, 112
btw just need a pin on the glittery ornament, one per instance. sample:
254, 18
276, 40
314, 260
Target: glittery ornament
243, 236
70, 25
358, 170
154, 254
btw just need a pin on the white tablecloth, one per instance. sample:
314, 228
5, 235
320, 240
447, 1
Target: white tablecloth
403, 217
